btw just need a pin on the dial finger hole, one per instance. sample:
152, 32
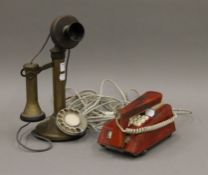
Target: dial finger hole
78, 129
59, 120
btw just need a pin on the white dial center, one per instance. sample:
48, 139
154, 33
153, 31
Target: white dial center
72, 119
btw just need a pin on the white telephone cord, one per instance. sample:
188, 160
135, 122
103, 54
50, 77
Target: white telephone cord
98, 108
146, 128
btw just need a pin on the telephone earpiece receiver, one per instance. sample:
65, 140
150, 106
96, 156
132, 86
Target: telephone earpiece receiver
139, 126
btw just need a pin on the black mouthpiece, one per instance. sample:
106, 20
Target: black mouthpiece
66, 32
75, 32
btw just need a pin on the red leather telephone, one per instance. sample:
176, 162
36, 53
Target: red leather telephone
138, 126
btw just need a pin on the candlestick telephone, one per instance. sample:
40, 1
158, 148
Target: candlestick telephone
64, 124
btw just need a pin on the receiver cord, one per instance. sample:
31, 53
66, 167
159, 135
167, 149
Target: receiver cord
41, 49
19, 140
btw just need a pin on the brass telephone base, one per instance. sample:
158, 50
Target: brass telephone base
49, 130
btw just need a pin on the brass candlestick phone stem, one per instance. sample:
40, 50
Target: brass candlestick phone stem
48, 128
66, 32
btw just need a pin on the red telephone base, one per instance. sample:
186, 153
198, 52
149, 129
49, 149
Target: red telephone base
113, 138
